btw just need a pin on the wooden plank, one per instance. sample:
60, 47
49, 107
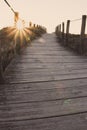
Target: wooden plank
31, 93
36, 67
48, 85
71, 122
54, 58
36, 110
47, 89
52, 71
43, 77
51, 59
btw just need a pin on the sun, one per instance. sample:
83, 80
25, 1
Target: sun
19, 25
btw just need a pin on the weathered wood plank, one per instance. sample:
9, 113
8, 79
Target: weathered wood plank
71, 122
36, 110
44, 77
47, 89
52, 71
34, 92
48, 85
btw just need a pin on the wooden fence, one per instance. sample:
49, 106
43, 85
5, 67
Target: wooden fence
77, 42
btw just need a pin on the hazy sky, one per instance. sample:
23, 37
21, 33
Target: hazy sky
48, 13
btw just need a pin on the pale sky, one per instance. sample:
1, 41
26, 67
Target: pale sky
48, 13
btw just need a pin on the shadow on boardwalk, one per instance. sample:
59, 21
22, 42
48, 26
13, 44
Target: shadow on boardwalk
47, 89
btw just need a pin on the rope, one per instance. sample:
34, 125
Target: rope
76, 20
9, 6
14, 11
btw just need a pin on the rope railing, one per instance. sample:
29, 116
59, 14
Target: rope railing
61, 27
75, 20
9, 6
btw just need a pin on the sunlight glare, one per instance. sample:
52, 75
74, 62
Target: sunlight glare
20, 25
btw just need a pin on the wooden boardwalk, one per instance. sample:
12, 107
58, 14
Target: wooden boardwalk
47, 89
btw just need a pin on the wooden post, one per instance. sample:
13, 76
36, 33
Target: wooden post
56, 31
63, 30
60, 27
67, 27
67, 31
1, 68
30, 24
37, 26
34, 25
60, 31
16, 17
83, 26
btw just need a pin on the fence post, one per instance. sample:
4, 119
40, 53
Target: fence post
30, 24
34, 25
63, 31
83, 26
60, 27
57, 31
60, 32
16, 18
67, 31
1, 68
